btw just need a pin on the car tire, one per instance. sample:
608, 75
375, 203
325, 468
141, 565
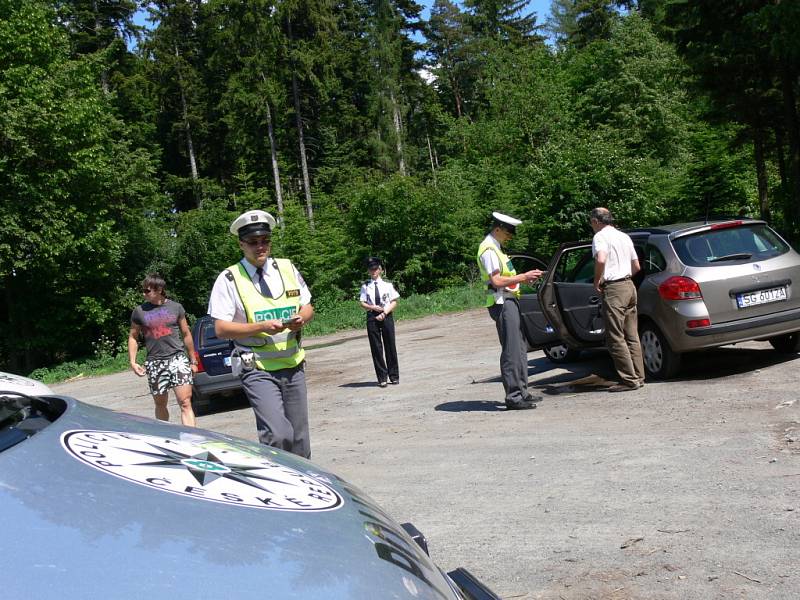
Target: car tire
786, 344
660, 361
561, 353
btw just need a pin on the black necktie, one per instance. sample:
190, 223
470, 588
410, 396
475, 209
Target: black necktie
262, 285
377, 295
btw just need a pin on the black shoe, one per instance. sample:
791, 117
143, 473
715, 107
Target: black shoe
395, 382
522, 405
533, 399
382, 383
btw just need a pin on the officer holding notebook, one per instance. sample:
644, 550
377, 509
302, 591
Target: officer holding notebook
262, 303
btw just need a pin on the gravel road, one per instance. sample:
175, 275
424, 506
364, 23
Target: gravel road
683, 489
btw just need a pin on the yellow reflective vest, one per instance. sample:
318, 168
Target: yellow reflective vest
506, 269
281, 350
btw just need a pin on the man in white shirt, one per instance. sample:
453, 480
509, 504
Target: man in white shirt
615, 263
262, 303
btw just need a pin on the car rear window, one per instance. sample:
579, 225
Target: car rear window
729, 244
208, 335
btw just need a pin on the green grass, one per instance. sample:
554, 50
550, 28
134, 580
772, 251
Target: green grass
339, 317
102, 365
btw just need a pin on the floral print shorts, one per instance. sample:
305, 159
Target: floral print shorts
163, 375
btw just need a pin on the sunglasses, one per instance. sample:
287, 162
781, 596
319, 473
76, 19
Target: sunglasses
147, 290
257, 242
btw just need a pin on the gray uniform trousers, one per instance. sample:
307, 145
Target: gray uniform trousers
280, 403
514, 356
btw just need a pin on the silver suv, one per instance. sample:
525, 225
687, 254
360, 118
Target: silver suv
702, 285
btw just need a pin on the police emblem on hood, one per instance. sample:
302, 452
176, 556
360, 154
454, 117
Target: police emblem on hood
201, 468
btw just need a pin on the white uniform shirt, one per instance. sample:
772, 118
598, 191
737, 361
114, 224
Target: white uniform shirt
225, 303
385, 290
491, 263
619, 250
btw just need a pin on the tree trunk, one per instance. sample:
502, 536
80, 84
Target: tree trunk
781, 157
398, 132
276, 174
430, 155
188, 130
761, 173
300, 135
21, 357
793, 129
104, 72
456, 95
275, 169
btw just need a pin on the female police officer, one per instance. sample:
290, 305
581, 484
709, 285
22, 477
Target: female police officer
379, 299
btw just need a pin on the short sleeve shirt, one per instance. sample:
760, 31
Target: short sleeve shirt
225, 304
491, 262
619, 250
160, 327
386, 292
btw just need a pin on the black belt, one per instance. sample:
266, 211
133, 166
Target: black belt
605, 283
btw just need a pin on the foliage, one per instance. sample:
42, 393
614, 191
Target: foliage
119, 160
340, 316
68, 179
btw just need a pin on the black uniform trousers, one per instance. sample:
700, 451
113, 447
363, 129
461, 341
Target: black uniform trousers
381, 337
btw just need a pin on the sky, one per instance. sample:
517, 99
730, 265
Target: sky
540, 7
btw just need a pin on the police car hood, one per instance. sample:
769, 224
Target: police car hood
108, 505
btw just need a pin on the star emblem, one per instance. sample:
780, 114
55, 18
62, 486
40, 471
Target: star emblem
233, 473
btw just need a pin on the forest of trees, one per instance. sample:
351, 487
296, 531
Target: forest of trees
365, 129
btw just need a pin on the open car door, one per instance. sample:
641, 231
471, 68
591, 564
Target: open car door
538, 331
568, 299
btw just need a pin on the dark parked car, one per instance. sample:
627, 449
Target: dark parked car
702, 285
100, 504
214, 377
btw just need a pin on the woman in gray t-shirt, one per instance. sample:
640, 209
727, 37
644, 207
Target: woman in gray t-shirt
162, 323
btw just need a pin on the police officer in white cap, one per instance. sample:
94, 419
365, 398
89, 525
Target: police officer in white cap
262, 303
502, 300
379, 298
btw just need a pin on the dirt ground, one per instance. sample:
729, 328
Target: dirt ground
683, 489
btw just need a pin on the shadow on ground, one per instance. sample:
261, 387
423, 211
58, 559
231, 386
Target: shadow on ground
696, 366
360, 384
471, 406
221, 404
727, 361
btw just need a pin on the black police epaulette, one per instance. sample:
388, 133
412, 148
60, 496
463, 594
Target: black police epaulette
228, 274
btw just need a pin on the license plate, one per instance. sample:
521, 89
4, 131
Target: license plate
227, 361
761, 297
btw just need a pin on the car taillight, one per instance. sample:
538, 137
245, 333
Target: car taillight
680, 288
694, 323
200, 367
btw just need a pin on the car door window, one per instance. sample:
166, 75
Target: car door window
576, 266
523, 264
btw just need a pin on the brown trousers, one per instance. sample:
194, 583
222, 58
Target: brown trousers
622, 335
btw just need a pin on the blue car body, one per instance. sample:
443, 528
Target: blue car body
100, 504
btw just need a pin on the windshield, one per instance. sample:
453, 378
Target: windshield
729, 244
22, 416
